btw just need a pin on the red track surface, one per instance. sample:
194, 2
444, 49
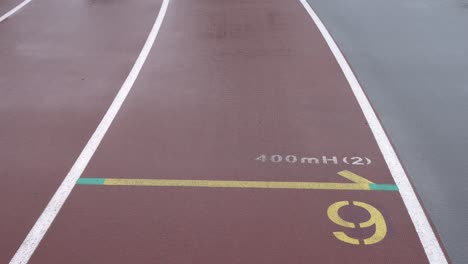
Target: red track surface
58, 74
226, 82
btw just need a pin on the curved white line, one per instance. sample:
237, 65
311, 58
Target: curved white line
11, 12
41, 226
428, 239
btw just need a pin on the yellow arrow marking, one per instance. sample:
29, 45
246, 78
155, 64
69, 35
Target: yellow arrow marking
353, 177
358, 183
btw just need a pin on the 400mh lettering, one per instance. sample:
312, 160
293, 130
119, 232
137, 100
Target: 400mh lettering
326, 160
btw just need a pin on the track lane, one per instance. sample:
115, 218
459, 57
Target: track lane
420, 102
227, 82
62, 63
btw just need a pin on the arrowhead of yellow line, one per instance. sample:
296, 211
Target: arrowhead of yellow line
353, 177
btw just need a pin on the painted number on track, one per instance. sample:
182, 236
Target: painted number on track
376, 218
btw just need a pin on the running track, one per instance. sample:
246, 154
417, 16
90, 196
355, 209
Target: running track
243, 134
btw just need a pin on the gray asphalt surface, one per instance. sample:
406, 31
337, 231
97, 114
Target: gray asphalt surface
411, 57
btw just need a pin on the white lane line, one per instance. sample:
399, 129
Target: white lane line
41, 226
11, 12
428, 239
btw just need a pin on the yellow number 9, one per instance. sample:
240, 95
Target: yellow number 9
376, 218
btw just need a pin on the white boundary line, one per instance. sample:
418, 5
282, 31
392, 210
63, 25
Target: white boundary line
11, 12
428, 239
41, 226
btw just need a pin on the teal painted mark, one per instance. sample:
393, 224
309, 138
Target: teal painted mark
90, 181
383, 187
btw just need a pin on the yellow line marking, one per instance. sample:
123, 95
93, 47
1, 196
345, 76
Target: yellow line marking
353, 177
238, 184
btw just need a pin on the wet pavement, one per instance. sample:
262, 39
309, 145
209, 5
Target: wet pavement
58, 75
240, 141
411, 58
